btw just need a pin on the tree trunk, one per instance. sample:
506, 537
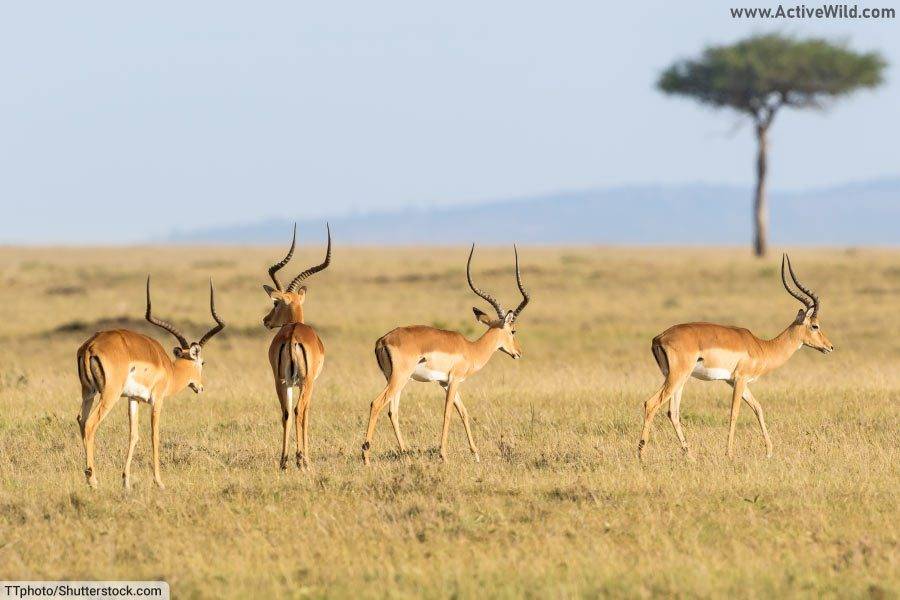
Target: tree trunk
760, 211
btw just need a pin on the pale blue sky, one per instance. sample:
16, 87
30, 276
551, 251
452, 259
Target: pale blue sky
121, 122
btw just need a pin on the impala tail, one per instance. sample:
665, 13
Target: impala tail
659, 353
292, 363
383, 356
90, 368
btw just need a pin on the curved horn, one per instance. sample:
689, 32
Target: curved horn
484, 295
220, 324
167, 326
784, 282
525, 296
274, 268
812, 295
313, 270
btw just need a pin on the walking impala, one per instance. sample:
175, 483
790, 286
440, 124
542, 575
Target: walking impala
731, 354
125, 363
446, 357
296, 353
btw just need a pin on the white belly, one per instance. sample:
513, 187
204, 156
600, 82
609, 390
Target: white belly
135, 390
423, 373
701, 372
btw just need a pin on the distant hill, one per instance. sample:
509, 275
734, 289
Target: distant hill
851, 214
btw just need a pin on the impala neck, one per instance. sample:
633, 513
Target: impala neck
782, 347
296, 315
182, 371
484, 348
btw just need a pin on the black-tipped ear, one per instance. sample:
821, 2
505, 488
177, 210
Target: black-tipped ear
801, 315
178, 352
269, 289
481, 316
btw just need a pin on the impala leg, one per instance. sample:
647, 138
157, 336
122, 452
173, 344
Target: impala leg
87, 403
108, 398
155, 412
674, 380
675, 417
464, 415
394, 416
392, 391
132, 441
757, 409
285, 395
301, 413
739, 386
448, 407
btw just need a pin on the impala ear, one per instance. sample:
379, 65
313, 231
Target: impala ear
481, 316
301, 293
179, 352
194, 352
510, 317
272, 292
801, 315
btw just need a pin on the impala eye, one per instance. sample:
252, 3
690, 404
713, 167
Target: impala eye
815, 327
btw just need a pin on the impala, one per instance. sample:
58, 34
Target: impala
296, 353
446, 357
121, 363
731, 354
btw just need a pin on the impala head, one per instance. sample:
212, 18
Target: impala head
287, 303
189, 354
807, 320
505, 323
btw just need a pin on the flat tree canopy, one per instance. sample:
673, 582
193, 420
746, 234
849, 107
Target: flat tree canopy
762, 73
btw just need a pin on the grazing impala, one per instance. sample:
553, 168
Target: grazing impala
124, 363
730, 354
445, 357
296, 353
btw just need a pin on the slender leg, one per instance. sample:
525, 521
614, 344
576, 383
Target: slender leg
739, 387
650, 407
757, 409
464, 415
674, 381
303, 431
108, 398
448, 407
285, 394
87, 403
392, 390
675, 417
155, 412
393, 414
298, 425
132, 441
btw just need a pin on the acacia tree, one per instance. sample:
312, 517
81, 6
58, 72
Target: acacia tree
762, 74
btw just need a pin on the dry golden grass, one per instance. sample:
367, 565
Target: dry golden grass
559, 505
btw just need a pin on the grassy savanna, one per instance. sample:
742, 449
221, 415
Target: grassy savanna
559, 504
